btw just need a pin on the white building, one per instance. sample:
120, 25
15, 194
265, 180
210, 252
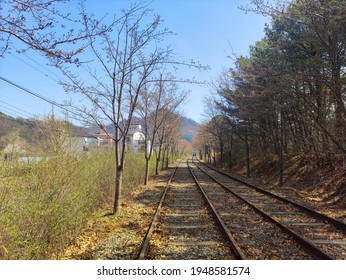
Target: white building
85, 143
135, 138
13, 151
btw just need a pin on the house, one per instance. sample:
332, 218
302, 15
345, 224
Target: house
84, 143
105, 138
89, 142
135, 138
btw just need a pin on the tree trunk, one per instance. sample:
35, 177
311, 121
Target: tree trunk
120, 157
214, 157
230, 147
167, 159
157, 161
163, 160
281, 159
117, 194
247, 148
230, 160
146, 176
221, 153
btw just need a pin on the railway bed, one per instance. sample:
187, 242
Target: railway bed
185, 227
324, 236
206, 214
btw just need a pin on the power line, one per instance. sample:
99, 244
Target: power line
39, 64
46, 75
26, 121
25, 112
37, 123
8, 113
39, 96
2, 107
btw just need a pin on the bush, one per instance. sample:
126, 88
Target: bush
44, 205
134, 170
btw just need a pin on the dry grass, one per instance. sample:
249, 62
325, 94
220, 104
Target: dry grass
120, 236
318, 186
44, 205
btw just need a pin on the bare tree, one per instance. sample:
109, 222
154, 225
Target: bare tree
156, 108
173, 140
128, 57
125, 61
205, 142
168, 135
40, 25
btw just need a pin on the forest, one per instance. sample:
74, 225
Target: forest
280, 112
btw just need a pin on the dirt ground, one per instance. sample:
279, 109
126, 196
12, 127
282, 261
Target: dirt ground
108, 237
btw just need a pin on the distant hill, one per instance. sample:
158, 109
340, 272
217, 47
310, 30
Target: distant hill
110, 127
28, 129
15, 127
188, 128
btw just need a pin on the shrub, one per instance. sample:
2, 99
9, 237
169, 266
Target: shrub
45, 204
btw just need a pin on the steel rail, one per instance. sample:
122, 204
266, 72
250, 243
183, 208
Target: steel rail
145, 244
233, 244
305, 242
339, 224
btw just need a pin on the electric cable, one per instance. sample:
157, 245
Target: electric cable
39, 96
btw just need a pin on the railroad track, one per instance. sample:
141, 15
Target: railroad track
186, 226
267, 226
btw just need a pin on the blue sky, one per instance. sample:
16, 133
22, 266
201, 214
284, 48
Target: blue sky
207, 31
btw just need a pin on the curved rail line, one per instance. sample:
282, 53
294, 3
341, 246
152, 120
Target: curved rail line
309, 244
